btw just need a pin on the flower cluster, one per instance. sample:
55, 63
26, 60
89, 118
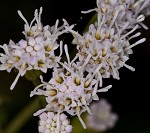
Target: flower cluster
36, 51
69, 90
102, 118
102, 51
49, 121
107, 41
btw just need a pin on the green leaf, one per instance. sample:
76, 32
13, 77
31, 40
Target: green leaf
33, 74
92, 21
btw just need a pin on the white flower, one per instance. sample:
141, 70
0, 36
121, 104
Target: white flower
120, 12
102, 118
108, 48
51, 122
36, 51
69, 89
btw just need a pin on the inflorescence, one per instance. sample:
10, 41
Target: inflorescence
101, 52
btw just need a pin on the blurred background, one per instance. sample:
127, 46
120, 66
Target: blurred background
129, 96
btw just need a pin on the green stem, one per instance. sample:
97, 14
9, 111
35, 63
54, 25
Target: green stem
19, 121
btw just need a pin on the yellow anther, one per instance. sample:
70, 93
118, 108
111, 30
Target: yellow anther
53, 92
59, 79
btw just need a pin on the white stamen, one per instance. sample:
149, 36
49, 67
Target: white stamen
95, 90
136, 35
76, 57
65, 22
33, 92
67, 54
100, 79
101, 22
86, 61
35, 16
16, 79
74, 32
136, 43
60, 33
23, 18
124, 27
61, 48
41, 10
140, 18
114, 18
118, 9
105, 89
114, 71
41, 78
66, 67
97, 69
130, 32
144, 26
56, 26
129, 67
39, 19
91, 10
80, 119
88, 110
40, 111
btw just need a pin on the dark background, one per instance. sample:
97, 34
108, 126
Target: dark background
129, 96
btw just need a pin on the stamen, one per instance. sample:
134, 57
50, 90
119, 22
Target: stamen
105, 89
65, 22
33, 92
35, 16
56, 26
100, 79
76, 57
144, 26
23, 18
95, 90
80, 119
67, 54
115, 16
66, 67
134, 36
97, 69
5, 48
41, 111
140, 18
124, 27
136, 43
129, 67
91, 10
41, 10
41, 78
86, 61
74, 32
60, 33
135, 28
100, 22
39, 19
88, 110
114, 71
61, 48
16, 79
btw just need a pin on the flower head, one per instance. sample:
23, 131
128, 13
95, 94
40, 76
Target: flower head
70, 89
102, 118
36, 51
51, 122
